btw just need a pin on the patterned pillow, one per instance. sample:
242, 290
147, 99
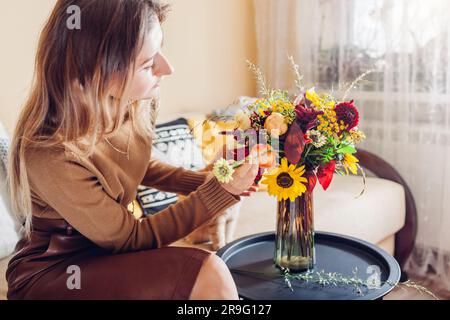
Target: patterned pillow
8, 227
4, 146
173, 144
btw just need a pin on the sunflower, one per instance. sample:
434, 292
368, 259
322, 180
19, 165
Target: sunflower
350, 163
286, 181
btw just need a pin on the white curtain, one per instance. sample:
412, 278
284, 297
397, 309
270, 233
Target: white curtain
404, 103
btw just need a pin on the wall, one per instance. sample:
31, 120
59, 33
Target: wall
207, 41
20, 24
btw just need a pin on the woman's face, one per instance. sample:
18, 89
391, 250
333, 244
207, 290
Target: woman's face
151, 67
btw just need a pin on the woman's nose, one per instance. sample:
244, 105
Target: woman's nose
164, 68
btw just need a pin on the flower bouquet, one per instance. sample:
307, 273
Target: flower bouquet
300, 141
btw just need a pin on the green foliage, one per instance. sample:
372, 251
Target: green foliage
323, 279
279, 95
345, 148
289, 115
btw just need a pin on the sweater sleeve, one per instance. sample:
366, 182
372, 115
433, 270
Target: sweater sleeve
165, 177
76, 194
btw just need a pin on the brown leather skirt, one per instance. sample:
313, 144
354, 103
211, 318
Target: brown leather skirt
60, 263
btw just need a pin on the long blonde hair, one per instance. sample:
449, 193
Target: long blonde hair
69, 102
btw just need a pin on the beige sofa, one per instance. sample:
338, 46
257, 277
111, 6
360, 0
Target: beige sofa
336, 210
376, 216
384, 215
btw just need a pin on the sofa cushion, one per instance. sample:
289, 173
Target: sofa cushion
173, 144
336, 210
378, 213
8, 227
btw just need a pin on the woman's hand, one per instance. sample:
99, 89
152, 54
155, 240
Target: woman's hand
243, 179
248, 193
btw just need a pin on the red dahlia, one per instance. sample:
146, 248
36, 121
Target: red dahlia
347, 112
306, 117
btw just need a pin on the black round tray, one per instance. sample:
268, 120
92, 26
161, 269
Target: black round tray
250, 260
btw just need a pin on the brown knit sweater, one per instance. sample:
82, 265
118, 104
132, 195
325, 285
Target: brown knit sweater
92, 193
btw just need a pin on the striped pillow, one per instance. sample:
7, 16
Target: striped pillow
173, 144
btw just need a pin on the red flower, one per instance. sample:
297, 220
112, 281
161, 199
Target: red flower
306, 117
307, 139
325, 174
312, 179
347, 112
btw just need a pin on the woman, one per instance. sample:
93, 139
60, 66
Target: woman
79, 152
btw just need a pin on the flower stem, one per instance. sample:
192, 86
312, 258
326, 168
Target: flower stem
239, 163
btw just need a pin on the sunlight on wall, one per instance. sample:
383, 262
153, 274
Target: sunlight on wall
20, 24
207, 41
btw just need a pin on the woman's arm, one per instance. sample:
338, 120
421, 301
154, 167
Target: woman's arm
165, 177
76, 194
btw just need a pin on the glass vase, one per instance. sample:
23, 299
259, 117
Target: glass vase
294, 239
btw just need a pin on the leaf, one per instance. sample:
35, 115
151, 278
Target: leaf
325, 174
346, 149
295, 143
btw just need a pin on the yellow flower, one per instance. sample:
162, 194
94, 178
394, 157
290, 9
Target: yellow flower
328, 122
312, 96
243, 121
350, 163
261, 112
330, 104
286, 181
356, 136
281, 106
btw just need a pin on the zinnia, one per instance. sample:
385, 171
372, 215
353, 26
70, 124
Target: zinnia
223, 171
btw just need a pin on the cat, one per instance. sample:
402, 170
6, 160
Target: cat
220, 230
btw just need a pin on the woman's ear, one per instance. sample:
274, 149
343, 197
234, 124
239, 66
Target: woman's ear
114, 88
115, 84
